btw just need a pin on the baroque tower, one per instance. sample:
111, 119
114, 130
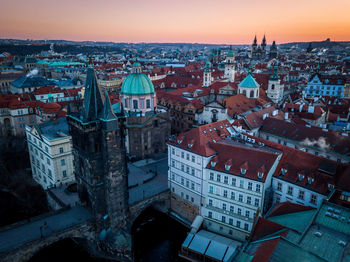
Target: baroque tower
230, 66
99, 157
275, 88
207, 75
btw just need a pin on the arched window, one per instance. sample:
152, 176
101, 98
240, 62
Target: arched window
244, 93
251, 93
273, 86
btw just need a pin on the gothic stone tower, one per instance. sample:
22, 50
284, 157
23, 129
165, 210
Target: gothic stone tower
207, 75
100, 158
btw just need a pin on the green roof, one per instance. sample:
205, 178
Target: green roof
298, 221
230, 53
249, 81
136, 64
137, 84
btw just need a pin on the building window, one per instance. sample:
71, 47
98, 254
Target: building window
173, 176
192, 171
187, 197
241, 183
218, 177
48, 161
187, 183
223, 219
234, 181
63, 162
148, 103
239, 211
313, 199
225, 193
173, 163
225, 179
210, 214
187, 157
49, 173
233, 195
278, 198
211, 176
182, 167
192, 199
247, 213
41, 156
258, 188
43, 168
232, 209
230, 221
193, 159
224, 206
64, 173
211, 189
301, 194
249, 200
173, 151
61, 150
182, 155
46, 149
187, 169
290, 190
182, 181
210, 202
256, 202
135, 104
279, 186
240, 198
238, 224
250, 186
246, 226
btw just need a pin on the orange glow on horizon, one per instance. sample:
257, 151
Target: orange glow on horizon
196, 21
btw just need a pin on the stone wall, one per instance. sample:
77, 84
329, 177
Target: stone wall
183, 208
26, 251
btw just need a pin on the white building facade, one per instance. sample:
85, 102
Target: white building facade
50, 151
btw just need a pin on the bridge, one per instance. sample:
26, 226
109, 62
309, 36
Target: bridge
19, 242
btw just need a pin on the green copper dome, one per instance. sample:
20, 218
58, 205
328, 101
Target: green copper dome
137, 84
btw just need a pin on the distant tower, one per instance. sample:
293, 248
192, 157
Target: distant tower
207, 75
273, 50
100, 157
263, 46
275, 88
230, 66
254, 48
309, 48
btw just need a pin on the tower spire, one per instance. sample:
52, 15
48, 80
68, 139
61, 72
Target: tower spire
107, 112
93, 104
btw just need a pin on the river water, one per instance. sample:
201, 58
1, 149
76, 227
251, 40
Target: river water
157, 238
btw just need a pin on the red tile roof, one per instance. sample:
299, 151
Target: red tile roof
252, 160
287, 208
201, 136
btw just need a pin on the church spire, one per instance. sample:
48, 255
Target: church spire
93, 104
255, 41
107, 112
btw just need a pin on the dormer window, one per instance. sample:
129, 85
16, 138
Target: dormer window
179, 141
190, 145
300, 177
283, 171
310, 180
260, 175
227, 167
243, 171
212, 163
330, 187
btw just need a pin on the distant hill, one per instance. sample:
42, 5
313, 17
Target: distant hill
317, 44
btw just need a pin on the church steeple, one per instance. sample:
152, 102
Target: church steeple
93, 104
255, 43
207, 75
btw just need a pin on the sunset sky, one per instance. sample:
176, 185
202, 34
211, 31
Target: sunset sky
201, 21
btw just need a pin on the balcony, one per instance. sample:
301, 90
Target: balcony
229, 213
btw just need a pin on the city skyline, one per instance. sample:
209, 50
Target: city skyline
219, 22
